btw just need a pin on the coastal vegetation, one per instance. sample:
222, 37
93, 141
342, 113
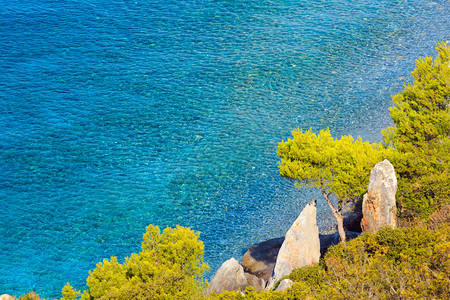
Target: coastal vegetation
402, 263
410, 262
170, 266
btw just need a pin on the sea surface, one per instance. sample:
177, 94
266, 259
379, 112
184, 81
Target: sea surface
118, 114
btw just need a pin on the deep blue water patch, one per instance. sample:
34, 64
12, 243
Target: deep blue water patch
118, 114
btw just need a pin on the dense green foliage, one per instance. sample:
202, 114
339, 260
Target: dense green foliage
402, 263
340, 166
421, 137
336, 166
69, 293
298, 291
169, 266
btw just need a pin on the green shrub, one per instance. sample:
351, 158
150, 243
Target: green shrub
298, 291
169, 266
391, 264
69, 293
30, 296
313, 275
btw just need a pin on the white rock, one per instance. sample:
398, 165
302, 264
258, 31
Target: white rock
229, 277
301, 246
379, 205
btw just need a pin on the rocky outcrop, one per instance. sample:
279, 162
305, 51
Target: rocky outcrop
231, 277
379, 205
7, 297
301, 246
284, 285
255, 282
259, 259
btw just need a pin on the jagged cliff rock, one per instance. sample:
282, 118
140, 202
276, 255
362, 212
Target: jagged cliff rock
301, 246
379, 205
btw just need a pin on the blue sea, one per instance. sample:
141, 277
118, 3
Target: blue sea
118, 114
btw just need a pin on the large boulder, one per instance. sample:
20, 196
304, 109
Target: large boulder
379, 205
231, 277
259, 259
301, 246
255, 282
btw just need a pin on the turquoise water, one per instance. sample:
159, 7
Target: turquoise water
118, 114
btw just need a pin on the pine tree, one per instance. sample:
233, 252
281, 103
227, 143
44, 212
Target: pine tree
337, 166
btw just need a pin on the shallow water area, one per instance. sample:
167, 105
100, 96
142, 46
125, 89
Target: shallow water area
117, 114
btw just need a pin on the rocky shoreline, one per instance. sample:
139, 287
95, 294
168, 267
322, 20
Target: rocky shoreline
265, 263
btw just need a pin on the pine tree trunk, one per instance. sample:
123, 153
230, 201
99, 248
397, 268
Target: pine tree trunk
337, 215
340, 225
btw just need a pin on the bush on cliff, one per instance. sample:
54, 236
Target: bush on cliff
402, 263
169, 266
421, 137
298, 291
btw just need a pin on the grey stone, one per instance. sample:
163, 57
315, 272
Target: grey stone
301, 246
259, 259
284, 285
229, 277
379, 206
255, 282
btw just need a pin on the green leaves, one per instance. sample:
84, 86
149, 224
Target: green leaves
402, 263
106, 279
340, 166
69, 293
170, 265
397, 263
